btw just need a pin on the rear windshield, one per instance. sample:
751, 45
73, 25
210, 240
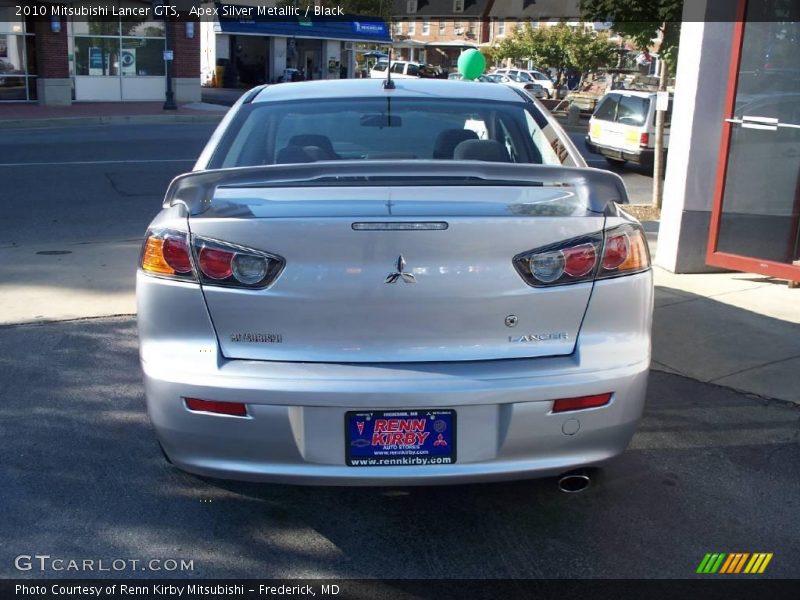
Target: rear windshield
628, 110
375, 128
632, 110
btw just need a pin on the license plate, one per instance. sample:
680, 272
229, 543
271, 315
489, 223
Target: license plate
394, 438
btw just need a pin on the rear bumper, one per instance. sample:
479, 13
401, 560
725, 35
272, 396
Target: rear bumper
295, 429
643, 157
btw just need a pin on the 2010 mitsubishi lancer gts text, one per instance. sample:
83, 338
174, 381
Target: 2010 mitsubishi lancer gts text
412, 283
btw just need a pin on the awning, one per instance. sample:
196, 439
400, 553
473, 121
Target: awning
408, 43
356, 30
453, 44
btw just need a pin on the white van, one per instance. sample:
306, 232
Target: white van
623, 126
401, 69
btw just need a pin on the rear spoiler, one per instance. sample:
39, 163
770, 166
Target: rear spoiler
597, 190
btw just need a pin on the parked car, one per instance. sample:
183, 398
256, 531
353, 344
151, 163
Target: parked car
534, 89
533, 77
622, 127
357, 291
401, 69
460, 77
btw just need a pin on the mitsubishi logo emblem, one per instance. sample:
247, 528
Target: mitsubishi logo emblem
400, 273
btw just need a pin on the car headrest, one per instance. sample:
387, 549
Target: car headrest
293, 154
485, 150
448, 139
314, 139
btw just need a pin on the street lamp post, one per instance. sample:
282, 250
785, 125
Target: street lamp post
169, 101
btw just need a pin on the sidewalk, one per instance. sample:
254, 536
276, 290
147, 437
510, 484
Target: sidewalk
732, 329
14, 116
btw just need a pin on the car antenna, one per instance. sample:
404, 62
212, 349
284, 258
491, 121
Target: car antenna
388, 84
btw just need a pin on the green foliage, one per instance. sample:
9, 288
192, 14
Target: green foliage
558, 47
641, 21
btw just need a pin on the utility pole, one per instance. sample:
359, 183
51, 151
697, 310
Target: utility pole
658, 158
169, 101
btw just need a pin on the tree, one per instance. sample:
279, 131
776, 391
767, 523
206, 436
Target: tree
558, 47
643, 22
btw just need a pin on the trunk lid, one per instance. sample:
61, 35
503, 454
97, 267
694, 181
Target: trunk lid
345, 294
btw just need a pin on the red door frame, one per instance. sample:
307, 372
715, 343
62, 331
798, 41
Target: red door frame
726, 260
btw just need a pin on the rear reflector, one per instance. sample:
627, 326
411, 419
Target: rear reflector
566, 404
235, 409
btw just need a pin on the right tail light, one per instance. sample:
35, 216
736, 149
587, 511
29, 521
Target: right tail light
618, 251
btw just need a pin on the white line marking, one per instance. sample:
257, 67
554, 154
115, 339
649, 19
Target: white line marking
97, 162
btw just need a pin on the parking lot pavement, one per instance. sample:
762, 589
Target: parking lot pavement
710, 470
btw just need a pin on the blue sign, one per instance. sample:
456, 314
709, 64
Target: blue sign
95, 58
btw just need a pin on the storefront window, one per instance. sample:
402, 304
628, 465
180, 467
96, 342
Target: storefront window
125, 47
17, 58
97, 56
142, 57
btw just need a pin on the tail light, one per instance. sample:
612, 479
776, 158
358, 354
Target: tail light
167, 254
619, 251
569, 404
644, 139
170, 254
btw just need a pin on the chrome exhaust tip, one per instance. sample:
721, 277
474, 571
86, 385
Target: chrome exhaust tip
572, 483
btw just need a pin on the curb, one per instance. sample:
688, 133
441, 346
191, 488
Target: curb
108, 120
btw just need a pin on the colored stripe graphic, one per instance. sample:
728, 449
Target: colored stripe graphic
711, 563
741, 562
764, 564
734, 563
728, 564
704, 563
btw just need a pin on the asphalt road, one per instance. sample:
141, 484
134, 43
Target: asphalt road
82, 477
107, 182
91, 183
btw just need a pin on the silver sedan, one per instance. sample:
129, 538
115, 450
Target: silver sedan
415, 282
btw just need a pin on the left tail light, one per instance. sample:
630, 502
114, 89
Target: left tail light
618, 251
177, 255
167, 254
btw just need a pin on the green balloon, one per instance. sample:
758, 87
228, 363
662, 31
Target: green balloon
471, 64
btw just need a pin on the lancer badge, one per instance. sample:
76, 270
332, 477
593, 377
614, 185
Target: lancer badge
400, 273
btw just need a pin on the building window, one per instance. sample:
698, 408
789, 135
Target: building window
17, 58
412, 27
501, 27
123, 47
426, 27
458, 6
398, 27
458, 29
520, 25
471, 28
411, 6
442, 26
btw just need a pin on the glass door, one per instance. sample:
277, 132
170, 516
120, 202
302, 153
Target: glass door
755, 224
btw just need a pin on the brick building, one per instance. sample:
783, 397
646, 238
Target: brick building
61, 52
437, 31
